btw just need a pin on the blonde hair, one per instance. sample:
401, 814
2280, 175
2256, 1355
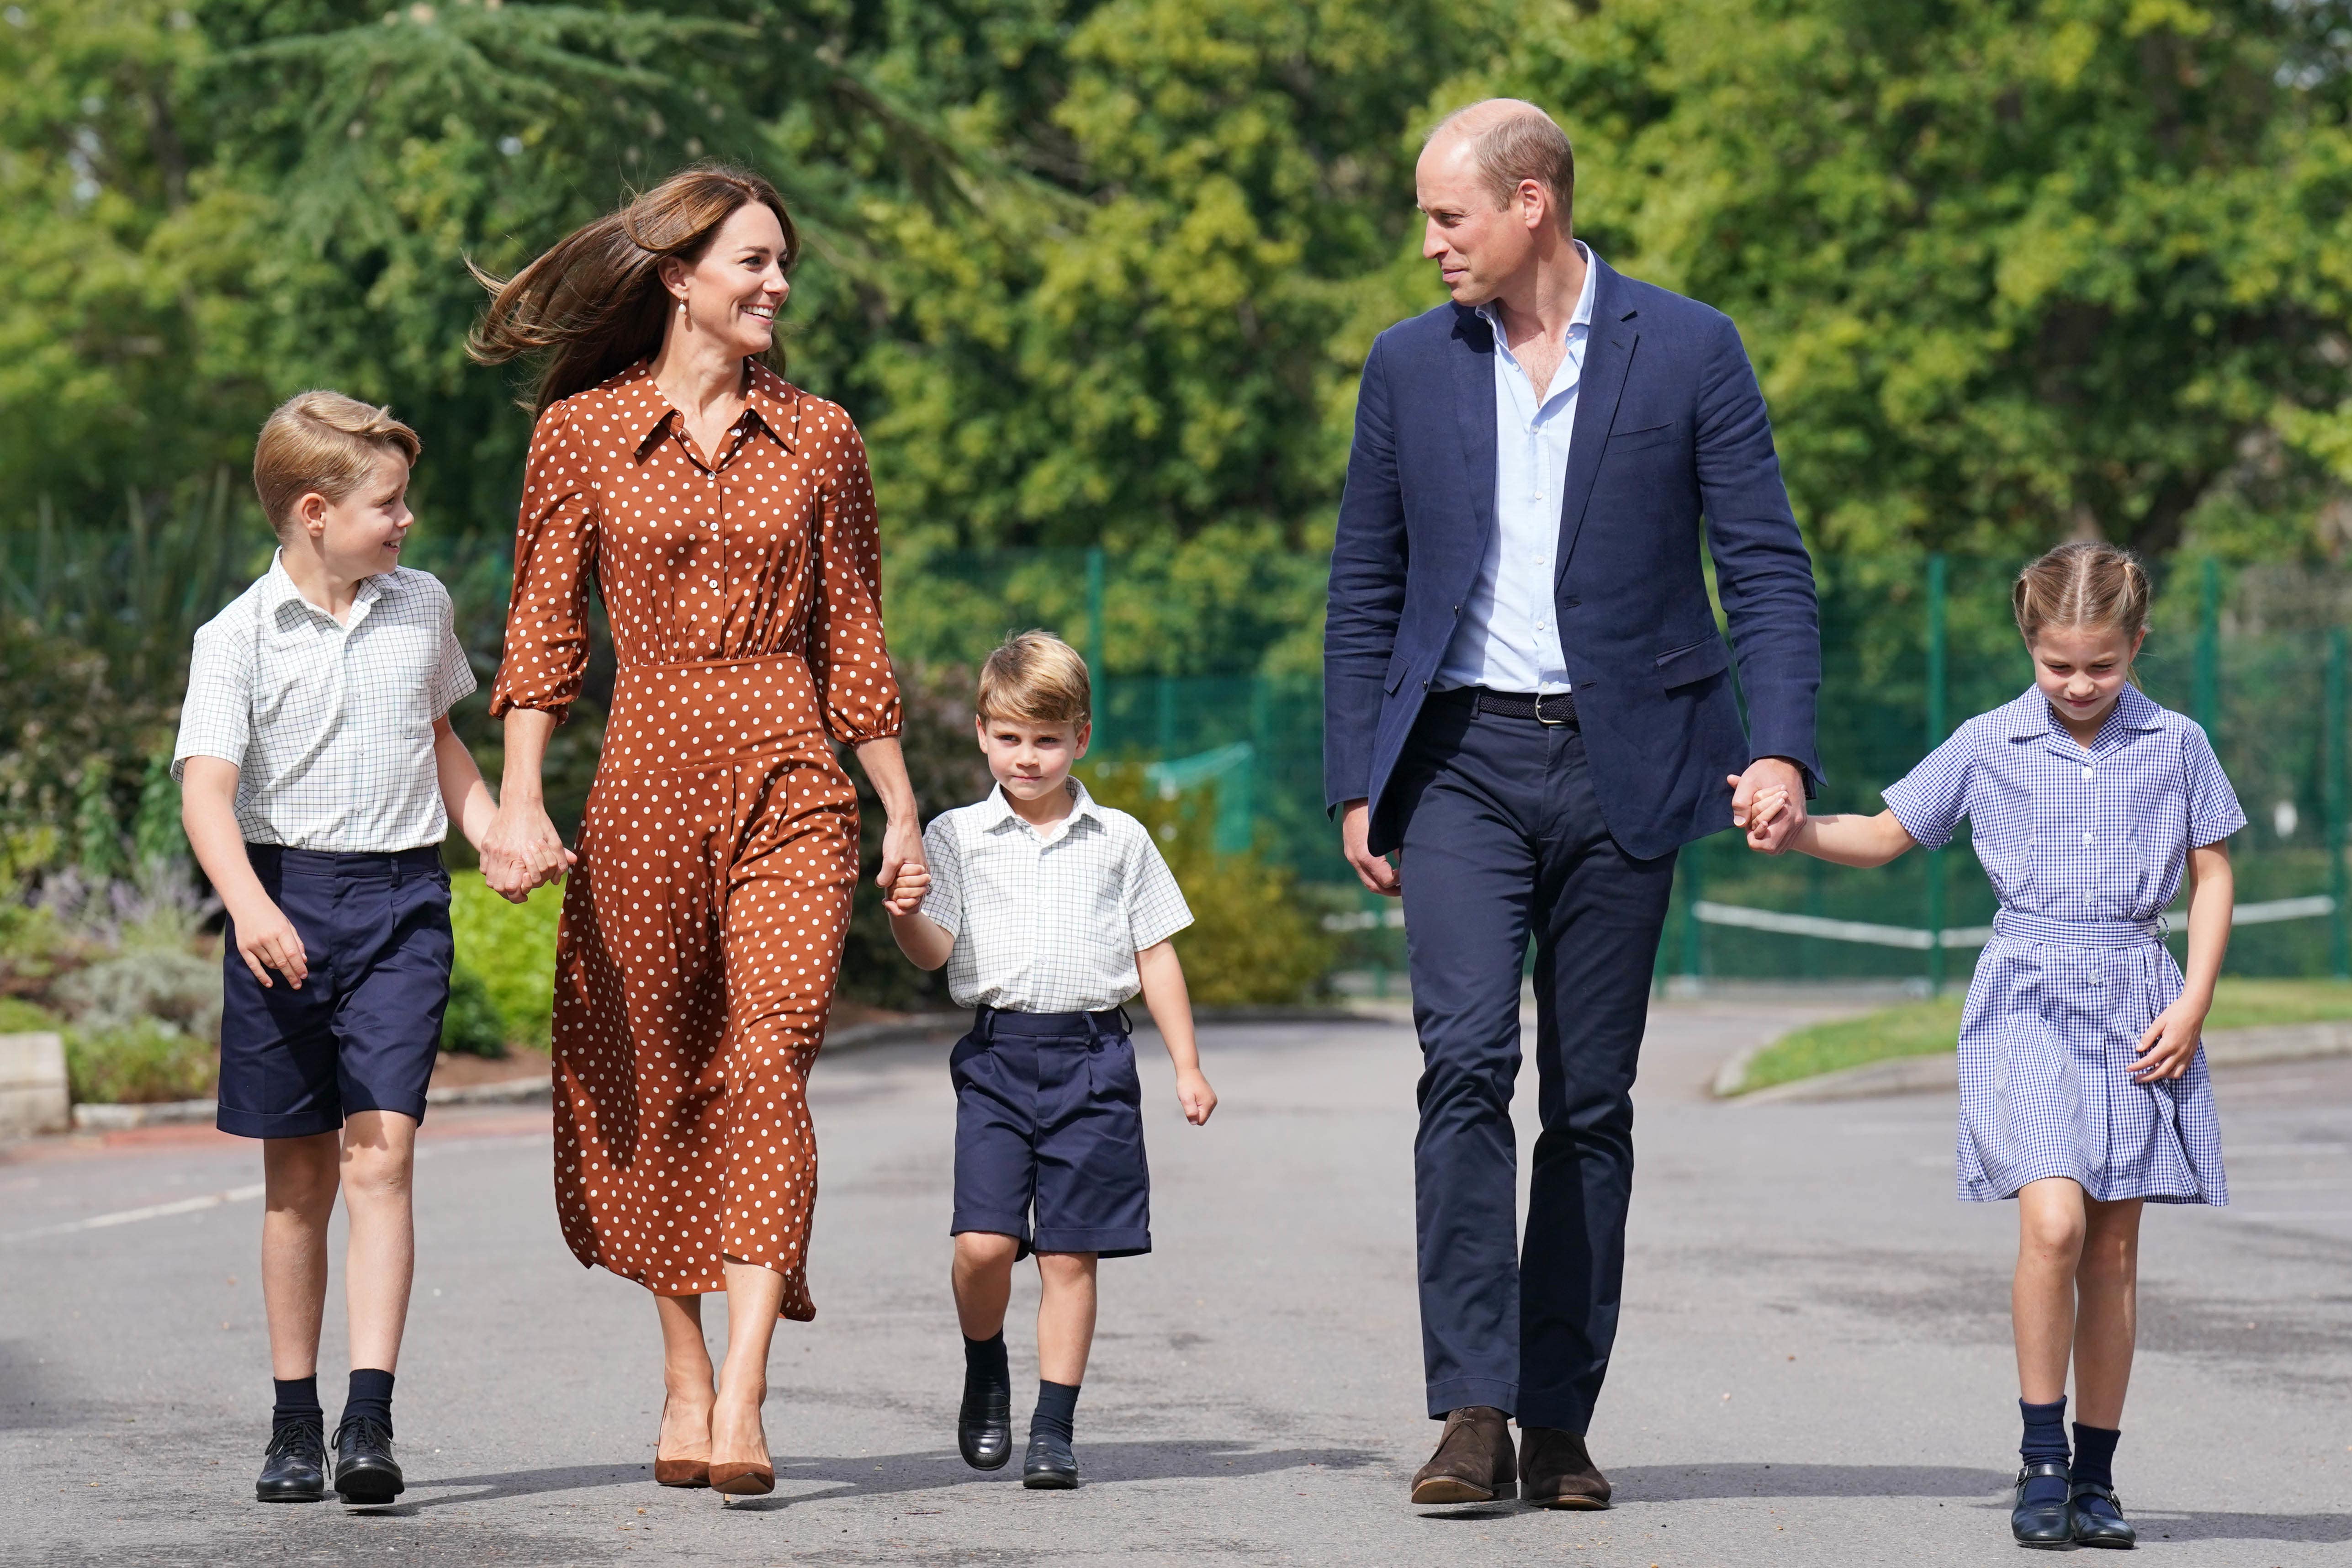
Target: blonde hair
325, 442
2085, 584
1514, 141
1036, 677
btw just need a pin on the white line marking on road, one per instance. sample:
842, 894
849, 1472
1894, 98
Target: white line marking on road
133, 1216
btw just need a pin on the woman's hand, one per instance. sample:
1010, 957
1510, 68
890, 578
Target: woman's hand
902, 848
2169, 1044
906, 894
523, 850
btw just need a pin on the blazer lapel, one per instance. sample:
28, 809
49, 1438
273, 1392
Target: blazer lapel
1608, 355
1473, 358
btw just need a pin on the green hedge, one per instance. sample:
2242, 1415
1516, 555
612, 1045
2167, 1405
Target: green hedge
506, 959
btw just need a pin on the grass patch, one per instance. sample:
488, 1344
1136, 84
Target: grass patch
1925, 1028
18, 1016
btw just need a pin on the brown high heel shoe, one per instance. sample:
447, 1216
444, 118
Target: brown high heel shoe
743, 1480
679, 1472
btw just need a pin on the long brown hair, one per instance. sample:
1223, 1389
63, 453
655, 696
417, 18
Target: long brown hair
594, 303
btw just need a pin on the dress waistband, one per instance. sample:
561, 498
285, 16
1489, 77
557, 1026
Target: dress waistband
2079, 933
672, 716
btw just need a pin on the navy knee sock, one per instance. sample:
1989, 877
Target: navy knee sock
985, 1359
2095, 1455
1057, 1409
298, 1402
370, 1397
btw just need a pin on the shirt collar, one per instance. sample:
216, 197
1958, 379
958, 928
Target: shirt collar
278, 589
1580, 316
645, 409
1002, 815
2030, 718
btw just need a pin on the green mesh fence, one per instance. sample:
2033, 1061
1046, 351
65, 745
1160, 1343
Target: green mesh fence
1194, 658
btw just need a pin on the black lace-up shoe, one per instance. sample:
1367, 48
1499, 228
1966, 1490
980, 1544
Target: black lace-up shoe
294, 1466
2099, 1518
2046, 1519
1050, 1467
985, 1425
365, 1471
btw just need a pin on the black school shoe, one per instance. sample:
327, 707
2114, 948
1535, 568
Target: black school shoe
984, 1424
2045, 1522
1050, 1467
2099, 1518
294, 1466
365, 1471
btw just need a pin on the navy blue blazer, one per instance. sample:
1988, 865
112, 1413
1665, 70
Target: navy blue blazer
1670, 427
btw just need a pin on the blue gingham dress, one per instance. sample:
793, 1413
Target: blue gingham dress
2085, 850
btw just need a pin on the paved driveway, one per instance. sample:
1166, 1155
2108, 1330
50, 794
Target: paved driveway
1814, 1367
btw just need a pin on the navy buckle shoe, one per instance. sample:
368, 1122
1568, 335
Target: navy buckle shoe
365, 1471
2099, 1517
984, 1424
1051, 1465
2047, 1517
294, 1466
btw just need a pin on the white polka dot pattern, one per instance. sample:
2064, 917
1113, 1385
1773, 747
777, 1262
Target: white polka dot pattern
702, 929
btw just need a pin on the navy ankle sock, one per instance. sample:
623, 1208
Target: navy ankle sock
370, 1397
985, 1358
297, 1401
1057, 1409
2095, 1455
2045, 1438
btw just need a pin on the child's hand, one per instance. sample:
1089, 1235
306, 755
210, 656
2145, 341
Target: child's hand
1764, 811
906, 895
2169, 1043
265, 936
1194, 1093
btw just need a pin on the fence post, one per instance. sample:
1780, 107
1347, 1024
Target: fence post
2339, 954
2207, 695
1935, 868
1095, 661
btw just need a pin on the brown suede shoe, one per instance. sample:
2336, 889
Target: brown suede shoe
1559, 1472
1474, 1462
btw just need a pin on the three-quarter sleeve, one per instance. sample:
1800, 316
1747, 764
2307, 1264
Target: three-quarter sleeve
555, 548
1930, 800
857, 693
2214, 813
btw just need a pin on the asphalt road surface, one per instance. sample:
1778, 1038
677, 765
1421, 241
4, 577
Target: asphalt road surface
1814, 1366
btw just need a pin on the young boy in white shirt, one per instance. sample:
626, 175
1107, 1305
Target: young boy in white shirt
1049, 911
318, 775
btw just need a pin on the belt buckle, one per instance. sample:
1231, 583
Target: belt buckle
1554, 724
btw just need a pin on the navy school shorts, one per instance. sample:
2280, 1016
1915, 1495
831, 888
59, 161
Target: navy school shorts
362, 1031
1049, 1117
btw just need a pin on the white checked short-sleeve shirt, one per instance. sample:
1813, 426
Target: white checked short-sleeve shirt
331, 726
1051, 922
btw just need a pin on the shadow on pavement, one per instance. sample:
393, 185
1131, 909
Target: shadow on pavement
933, 1469
1693, 1483
2315, 1527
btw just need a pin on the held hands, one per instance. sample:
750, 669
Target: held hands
1194, 1093
1767, 809
904, 896
1767, 777
265, 936
523, 850
2169, 1043
902, 851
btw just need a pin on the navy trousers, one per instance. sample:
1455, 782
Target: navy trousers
1503, 841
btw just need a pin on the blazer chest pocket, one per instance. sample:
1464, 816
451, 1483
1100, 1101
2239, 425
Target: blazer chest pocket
1687, 666
1635, 440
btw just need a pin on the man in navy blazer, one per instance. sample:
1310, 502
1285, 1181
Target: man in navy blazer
1528, 699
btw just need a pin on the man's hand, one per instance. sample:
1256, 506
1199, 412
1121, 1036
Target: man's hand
1355, 843
1767, 774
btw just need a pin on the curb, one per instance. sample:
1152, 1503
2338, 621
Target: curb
1941, 1072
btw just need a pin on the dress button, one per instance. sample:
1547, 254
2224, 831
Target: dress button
2087, 838
2086, 772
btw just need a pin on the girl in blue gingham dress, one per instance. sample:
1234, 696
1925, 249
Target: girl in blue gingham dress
2084, 1092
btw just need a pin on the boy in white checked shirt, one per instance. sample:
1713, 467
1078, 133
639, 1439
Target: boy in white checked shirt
1049, 911
318, 775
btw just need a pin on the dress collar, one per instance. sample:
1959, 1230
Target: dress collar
645, 409
2135, 711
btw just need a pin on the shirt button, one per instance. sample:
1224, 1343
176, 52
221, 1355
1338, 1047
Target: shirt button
2087, 838
2086, 772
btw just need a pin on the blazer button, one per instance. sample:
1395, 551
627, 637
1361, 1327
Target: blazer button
1424, 686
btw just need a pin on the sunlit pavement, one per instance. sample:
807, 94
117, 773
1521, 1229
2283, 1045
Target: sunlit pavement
1813, 1369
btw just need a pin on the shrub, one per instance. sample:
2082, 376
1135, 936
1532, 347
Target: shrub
140, 1063
472, 1026
510, 949
18, 1016
1253, 938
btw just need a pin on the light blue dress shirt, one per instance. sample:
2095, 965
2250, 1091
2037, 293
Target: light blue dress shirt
1508, 636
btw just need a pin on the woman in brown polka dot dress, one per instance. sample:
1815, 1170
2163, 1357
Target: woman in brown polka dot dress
727, 518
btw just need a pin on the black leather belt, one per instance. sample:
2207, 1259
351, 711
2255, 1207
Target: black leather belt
1544, 708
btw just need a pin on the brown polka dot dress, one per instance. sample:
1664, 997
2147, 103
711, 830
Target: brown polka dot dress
702, 928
